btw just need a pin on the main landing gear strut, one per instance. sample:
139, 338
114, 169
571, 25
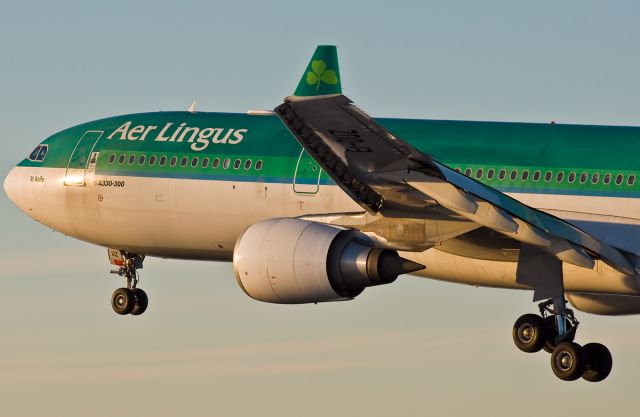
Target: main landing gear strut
554, 331
129, 299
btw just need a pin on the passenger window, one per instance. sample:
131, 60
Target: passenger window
607, 178
194, 162
583, 177
619, 179
152, 160
183, 161
173, 161
236, 164
132, 159
216, 162
112, 158
163, 161
479, 173
226, 163
536, 176
205, 162
458, 169
502, 174
491, 173
525, 175
258, 165
595, 178
247, 164
631, 180
514, 175
559, 176
468, 172
141, 160
121, 159
547, 176
572, 177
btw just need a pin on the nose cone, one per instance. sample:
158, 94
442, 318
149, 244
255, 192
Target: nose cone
11, 186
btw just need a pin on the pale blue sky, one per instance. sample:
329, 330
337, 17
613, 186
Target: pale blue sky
412, 348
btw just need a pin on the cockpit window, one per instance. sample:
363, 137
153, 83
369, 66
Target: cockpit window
35, 153
39, 153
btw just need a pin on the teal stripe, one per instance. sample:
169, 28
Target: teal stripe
212, 177
327, 181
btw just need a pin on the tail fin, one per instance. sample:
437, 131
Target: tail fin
322, 75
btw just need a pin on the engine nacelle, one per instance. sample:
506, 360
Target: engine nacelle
293, 261
605, 304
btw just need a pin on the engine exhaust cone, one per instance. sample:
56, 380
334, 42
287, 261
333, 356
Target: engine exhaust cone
390, 265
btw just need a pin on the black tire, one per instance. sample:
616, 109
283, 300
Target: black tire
568, 361
529, 333
141, 302
551, 333
599, 362
122, 301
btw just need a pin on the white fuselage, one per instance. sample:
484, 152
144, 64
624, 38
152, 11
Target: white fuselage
202, 219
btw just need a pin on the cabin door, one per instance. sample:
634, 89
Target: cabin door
81, 157
306, 179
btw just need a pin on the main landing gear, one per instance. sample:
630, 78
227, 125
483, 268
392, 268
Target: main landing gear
129, 299
554, 331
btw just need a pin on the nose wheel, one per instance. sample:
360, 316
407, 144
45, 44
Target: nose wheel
554, 331
129, 299
132, 301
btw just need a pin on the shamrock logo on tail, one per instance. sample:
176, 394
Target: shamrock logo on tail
320, 74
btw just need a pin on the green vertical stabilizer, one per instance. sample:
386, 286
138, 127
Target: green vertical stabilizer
322, 75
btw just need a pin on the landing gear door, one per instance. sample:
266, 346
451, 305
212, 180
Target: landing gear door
306, 179
115, 257
81, 157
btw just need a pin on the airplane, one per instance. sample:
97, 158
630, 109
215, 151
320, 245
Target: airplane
315, 201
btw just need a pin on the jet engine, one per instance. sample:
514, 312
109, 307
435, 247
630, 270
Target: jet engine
293, 261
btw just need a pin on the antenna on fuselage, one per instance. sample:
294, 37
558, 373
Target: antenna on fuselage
192, 107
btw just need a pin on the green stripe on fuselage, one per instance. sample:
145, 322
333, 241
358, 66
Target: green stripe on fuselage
459, 144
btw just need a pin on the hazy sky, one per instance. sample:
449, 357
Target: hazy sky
417, 347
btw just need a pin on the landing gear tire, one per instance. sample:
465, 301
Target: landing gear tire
123, 301
529, 333
554, 331
551, 333
129, 300
599, 362
141, 302
568, 361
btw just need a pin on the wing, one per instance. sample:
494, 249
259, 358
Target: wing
388, 176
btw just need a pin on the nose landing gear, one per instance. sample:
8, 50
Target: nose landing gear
554, 331
129, 299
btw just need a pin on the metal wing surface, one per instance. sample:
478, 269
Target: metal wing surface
388, 176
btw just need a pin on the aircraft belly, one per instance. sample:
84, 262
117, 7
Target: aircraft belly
194, 218
487, 273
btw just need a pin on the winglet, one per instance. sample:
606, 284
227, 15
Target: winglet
322, 75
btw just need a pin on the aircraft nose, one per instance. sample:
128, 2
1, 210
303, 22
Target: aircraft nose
10, 186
